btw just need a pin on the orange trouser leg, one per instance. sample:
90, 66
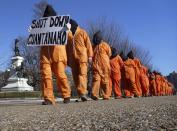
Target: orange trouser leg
133, 88
138, 86
47, 85
137, 81
110, 87
127, 90
143, 87
62, 81
132, 85
126, 87
79, 71
116, 84
105, 86
153, 86
96, 85
158, 89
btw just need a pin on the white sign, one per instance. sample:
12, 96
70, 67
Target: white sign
49, 31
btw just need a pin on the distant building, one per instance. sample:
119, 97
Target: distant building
172, 77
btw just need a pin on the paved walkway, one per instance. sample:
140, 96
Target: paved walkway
142, 114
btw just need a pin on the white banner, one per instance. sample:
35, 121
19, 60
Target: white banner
49, 31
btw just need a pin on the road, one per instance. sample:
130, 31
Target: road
149, 113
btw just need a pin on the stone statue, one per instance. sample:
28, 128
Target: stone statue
16, 50
17, 80
17, 62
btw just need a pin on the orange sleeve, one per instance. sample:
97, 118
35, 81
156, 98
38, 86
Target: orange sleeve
69, 48
109, 51
88, 45
120, 61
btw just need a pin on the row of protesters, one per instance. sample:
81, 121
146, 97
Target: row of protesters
135, 79
159, 85
78, 53
129, 76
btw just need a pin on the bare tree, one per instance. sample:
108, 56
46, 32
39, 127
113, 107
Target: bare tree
39, 9
31, 63
113, 35
110, 31
4, 78
31, 54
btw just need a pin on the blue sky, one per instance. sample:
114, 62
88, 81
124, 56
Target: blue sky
151, 24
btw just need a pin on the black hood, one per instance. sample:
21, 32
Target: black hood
130, 55
114, 52
97, 38
49, 11
124, 58
74, 26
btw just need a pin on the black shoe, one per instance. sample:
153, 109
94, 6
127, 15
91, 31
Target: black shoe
118, 97
137, 96
94, 98
129, 96
66, 100
84, 98
105, 98
47, 102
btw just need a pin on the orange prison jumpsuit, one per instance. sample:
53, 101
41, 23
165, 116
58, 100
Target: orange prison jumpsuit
137, 75
166, 86
162, 90
54, 59
123, 82
144, 81
116, 63
158, 84
79, 49
152, 84
130, 83
101, 69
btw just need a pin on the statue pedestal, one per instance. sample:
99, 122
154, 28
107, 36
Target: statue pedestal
16, 61
17, 84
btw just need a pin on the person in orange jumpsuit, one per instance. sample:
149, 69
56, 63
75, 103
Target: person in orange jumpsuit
101, 67
138, 75
79, 52
162, 91
116, 64
53, 59
166, 87
144, 81
133, 74
158, 83
128, 77
126, 92
170, 88
152, 84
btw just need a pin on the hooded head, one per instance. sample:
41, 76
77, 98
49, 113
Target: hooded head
49, 11
130, 55
97, 38
124, 58
155, 72
74, 26
114, 52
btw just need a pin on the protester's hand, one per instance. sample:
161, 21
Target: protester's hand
68, 25
90, 60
